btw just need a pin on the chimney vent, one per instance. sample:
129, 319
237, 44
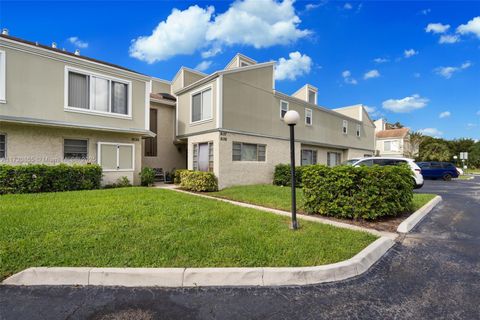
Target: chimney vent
77, 52
54, 45
5, 31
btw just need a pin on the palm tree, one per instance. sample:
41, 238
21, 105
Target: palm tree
416, 139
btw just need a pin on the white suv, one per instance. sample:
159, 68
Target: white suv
389, 161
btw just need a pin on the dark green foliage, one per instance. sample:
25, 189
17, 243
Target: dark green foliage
147, 176
198, 181
357, 192
34, 178
281, 176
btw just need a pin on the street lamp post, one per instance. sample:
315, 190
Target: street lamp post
291, 119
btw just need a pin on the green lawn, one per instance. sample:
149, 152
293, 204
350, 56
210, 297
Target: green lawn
278, 197
146, 227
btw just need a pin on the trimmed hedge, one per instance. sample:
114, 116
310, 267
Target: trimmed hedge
34, 178
177, 175
281, 176
357, 192
198, 181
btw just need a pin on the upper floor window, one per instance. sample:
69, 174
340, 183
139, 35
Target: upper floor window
98, 93
283, 108
358, 130
312, 97
308, 116
3, 81
202, 105
3, 146
345, 127
75, 149
248, 152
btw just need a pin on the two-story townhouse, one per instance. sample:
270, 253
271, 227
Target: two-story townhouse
392, 142
232, 123
57, 106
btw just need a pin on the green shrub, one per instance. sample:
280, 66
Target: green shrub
177, 176
198, 181
123, 182
147, 176
34, 178
281, 176
357, 192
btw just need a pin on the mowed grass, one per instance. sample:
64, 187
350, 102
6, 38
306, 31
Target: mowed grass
279, 197
145, 227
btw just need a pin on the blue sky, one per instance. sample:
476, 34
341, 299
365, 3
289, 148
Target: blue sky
427, 73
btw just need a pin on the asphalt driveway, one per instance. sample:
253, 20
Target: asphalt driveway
433, 273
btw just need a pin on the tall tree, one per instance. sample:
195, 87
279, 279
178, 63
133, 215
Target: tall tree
416, 139
436, 151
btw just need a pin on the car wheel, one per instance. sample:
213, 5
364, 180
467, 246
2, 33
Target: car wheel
447, 177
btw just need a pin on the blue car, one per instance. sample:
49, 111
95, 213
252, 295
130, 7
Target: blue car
438, 170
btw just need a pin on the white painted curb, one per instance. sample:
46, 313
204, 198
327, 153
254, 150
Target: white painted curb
197, 277
409, 223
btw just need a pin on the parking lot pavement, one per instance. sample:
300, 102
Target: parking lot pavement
432, 273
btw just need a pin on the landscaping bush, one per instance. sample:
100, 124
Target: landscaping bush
177, 175
44, 178
198, 181
147, 176
357, 192
281, 176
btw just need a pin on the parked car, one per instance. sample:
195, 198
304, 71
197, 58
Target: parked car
460, 171
439, 170
389, 161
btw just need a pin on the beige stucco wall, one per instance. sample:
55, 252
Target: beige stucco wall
301, 93
191, 77
354, 112
160, 86
169, 156
36, 88
185, 127
28, 144
201, 138
402, 151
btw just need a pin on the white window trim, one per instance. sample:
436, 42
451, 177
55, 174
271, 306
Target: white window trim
3, 77
308, 95
99, 156
288, 107
345, 125
358, 132
311, 117
96, 112
201, 90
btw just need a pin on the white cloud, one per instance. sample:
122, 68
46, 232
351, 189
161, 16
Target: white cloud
417, 75
437, 28
183, 32
406, 104
433, 132
78, 43
471, 125
425, 11
410, 53
259, 24
371, 74
372, 111
347, 77
254, 23
444, 114
472, 26
348, 6
448, 38
447, 72
312, 6
204, 65
296, 65
380, 60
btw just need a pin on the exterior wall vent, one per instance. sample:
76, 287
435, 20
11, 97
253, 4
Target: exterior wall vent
77, 52
54, 45
5, 31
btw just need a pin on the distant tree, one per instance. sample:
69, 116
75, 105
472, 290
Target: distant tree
435, 151
416, 138
474, 156
396, 125
461, 145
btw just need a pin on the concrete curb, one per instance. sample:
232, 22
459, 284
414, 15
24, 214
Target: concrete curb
200, 277
408, 224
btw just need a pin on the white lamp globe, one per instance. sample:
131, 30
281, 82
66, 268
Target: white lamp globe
291, 117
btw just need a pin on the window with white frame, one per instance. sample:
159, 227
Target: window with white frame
283, 108
358, 130
3, 146
309, 157
312, 97
334, 158
391, 145
116, 156
308, 116
75, 149
203, 156
202, 105
248, 152
345, 127
97, 93
3, 75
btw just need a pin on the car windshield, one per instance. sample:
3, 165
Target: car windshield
349, 162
